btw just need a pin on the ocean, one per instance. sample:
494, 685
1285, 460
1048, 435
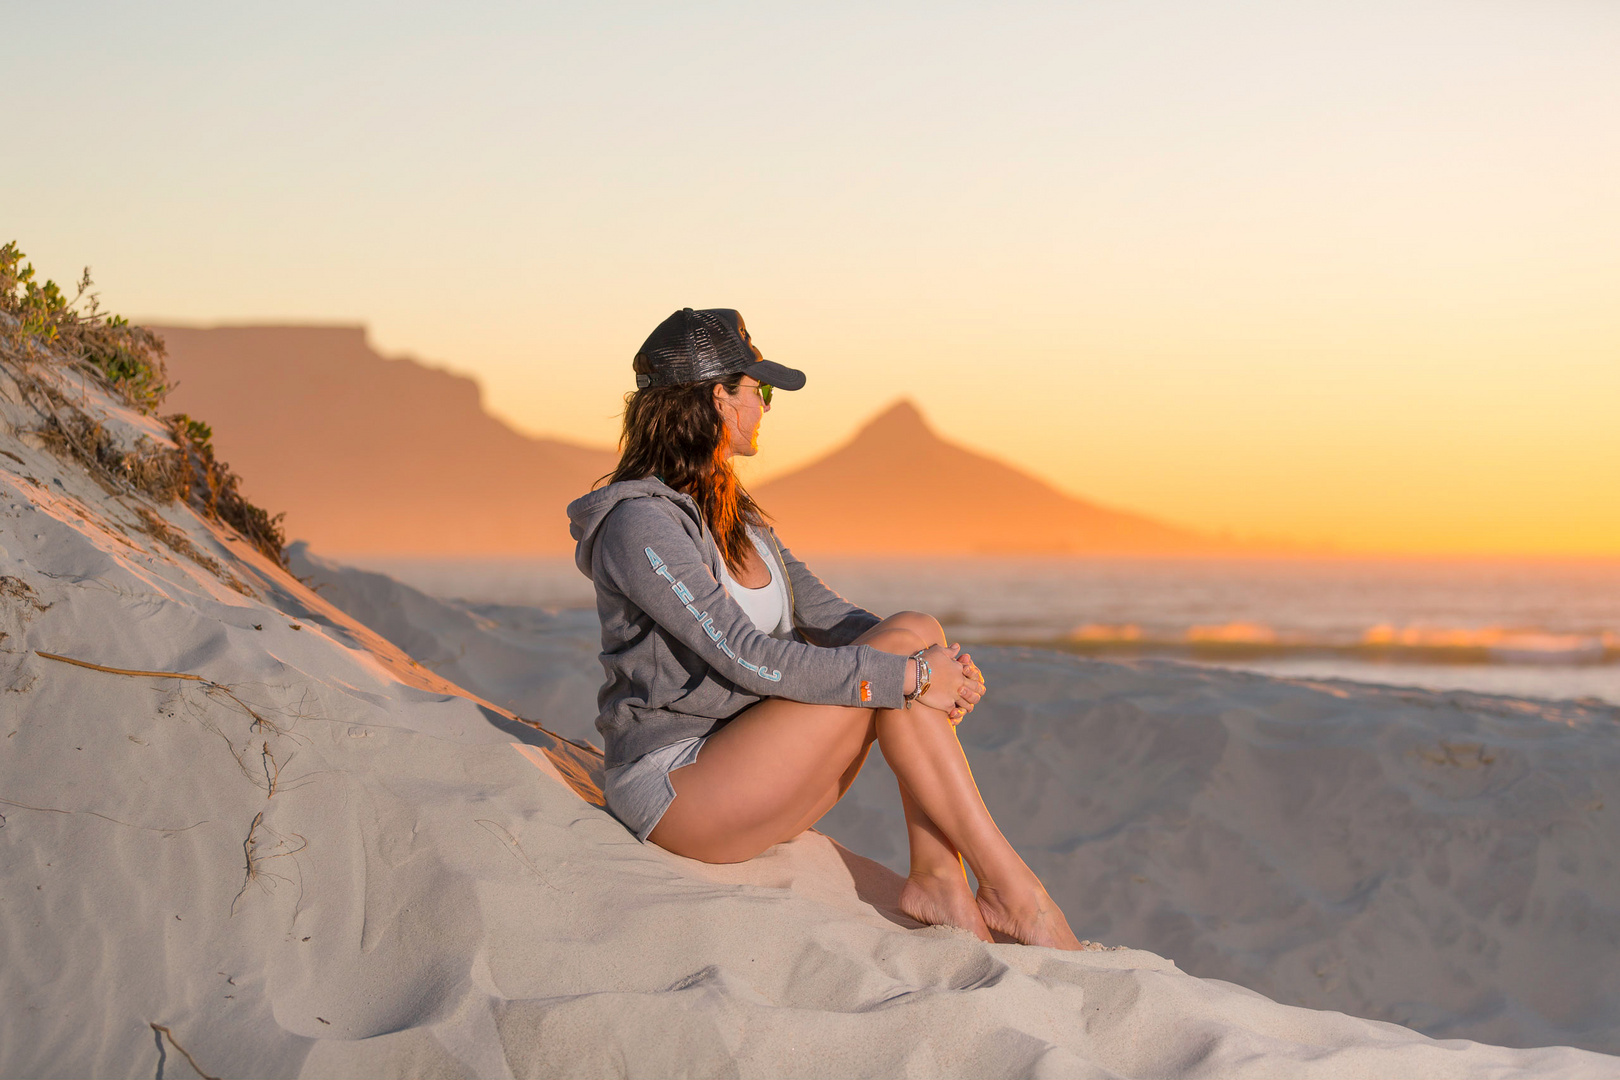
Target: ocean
1527, 629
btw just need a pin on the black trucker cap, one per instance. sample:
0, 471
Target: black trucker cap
692, 346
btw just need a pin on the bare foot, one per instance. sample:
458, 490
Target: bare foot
943, 901
1037, 921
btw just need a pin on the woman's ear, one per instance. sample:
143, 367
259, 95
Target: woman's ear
723, 403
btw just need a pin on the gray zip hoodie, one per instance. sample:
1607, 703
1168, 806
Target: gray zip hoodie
681, 657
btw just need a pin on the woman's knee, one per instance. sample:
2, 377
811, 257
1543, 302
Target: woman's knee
893, 639
904, 632
925, 626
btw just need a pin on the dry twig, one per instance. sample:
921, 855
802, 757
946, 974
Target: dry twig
123, 671
208, 684
272, 771
253, 861
247, 851
166, 1033
104, 817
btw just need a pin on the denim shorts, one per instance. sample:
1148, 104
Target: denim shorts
639, 793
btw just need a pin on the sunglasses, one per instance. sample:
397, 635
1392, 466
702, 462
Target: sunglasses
764, 392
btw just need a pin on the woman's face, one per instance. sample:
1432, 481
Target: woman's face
743, 412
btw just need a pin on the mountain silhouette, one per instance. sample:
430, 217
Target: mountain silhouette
371, 455
866, 497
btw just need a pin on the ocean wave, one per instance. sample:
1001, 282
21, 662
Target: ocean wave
1380, 642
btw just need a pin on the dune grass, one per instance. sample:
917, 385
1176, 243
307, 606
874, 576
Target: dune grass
42, 327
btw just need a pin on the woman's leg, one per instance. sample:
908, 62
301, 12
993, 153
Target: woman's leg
936, 889
775, 770
920, 744
772, 771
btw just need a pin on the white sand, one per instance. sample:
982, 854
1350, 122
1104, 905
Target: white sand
370, 881
1446, 861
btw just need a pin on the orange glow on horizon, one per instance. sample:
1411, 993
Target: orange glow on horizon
1331, 277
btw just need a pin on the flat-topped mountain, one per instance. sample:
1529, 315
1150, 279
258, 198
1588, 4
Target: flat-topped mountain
864, 497
368, 454
388, 456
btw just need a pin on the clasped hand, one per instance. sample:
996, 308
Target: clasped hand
957, 683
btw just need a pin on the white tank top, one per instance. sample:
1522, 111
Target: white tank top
767, 605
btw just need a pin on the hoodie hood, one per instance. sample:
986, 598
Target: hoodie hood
586, 513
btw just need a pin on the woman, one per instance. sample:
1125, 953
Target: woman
742, 694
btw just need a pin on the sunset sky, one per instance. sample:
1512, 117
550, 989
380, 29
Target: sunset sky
1341, 273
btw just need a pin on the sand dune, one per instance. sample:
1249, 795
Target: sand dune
315, 858
1447, 861
370, 454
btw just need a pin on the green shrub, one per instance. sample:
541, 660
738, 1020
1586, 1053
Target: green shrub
39, 324
127, 359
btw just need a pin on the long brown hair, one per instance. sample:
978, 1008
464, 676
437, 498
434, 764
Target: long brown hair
676, 434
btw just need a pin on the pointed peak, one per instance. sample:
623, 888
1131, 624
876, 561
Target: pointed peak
902, 416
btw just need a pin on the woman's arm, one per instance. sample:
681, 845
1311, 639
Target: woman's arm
650, 557
825, 618
821, 615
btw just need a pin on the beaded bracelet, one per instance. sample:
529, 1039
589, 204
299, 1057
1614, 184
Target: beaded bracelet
925, 677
